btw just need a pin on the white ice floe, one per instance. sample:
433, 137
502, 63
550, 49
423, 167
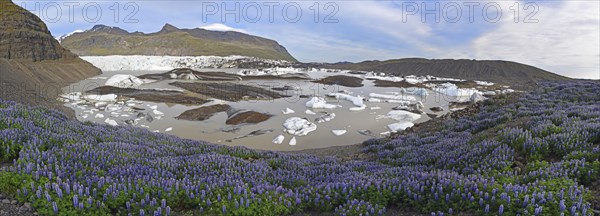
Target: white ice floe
506, 91
338, 132
484, 83
153, 107
399, 97
157, 113
412, 107
112, 108
276, 71
110, 122
278, 139
169, 129
85, 116
489, 93
298, 126
457, 109
374, 100
400, 126
325, 118
414, 91
476, 97
144, 126
73, 96
375, 108
453, 90
99, 115
309, 112
124, 81
292, 141
288, 111
100, 104
101, 98
319, 103
402, 115
358, 101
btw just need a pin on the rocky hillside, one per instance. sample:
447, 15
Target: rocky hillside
495, 71
170, 40
33, 65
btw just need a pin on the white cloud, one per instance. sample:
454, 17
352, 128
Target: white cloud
221, 27
566, 40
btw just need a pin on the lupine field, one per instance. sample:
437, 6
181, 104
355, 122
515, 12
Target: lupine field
538, 155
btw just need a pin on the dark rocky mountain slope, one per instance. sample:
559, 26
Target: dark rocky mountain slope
33, 65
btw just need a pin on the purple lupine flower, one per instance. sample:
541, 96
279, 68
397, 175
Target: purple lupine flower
224, 209
55, 208
142, 213
75, 201
501, 210
168, 211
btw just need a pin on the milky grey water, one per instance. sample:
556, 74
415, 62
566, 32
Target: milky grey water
211, 129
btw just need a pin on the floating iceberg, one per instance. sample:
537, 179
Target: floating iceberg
338, 132
476, 97
506, 91
402, 115
400, 126
157, 113
489, 93
414, 91
288, 111
168, 129
484, 83
278, 139
309, 112
453, 90
101, 98
413, 107
358, 101
124, 81
319, 103
110, 122
73, 96
393, 97
292, 141
99, 115
298, 126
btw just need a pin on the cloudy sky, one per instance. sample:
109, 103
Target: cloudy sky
559, 36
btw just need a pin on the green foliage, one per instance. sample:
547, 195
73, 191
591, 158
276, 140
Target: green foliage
10, 182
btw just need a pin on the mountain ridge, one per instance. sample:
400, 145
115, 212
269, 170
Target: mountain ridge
498, 71
103, 40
